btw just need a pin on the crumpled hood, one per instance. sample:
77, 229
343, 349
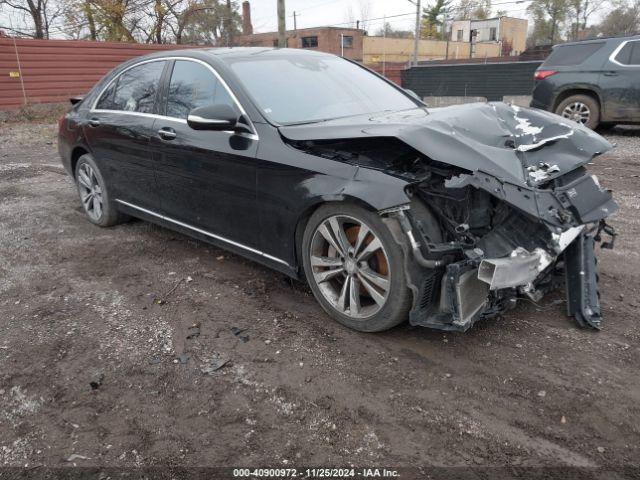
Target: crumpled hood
514, 144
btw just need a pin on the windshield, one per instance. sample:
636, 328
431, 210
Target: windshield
301, 89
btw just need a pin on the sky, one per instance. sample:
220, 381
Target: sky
312, 13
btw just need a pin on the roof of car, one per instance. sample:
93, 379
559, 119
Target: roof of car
233, 53
599, 39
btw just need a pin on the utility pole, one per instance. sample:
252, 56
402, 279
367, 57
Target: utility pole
416, 40
446, 34
282, 26
384, 44
295, 24
229, 24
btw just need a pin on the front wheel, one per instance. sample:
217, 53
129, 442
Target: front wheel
355, 268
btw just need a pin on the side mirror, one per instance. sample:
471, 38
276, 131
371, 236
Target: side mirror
213, 117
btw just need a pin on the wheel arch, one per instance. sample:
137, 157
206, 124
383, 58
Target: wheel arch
571, 91
76, 153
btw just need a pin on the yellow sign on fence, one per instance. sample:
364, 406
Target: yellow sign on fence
14, 74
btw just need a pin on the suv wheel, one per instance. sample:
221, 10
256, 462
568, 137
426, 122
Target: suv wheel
581, 109
355, 268
94, 194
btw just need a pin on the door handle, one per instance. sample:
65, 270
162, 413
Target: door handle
167, 133
610, 74
94, 122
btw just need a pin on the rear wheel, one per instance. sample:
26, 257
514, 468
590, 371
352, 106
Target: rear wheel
581, 109
355, 268
94, 193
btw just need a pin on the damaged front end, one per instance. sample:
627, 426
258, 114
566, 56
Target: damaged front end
488, 253
501, 206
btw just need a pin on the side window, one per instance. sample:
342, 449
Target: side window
635, 54
106, 100
630, 54
624, 55
135, 90
193, 85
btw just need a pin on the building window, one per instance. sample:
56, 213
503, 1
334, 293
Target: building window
460, 35
309, 42
347, 41
492, 34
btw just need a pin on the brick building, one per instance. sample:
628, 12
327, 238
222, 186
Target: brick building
339, 41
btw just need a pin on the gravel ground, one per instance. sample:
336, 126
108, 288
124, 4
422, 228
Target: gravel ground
101, 366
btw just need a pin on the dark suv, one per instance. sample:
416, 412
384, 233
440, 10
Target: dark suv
594, 82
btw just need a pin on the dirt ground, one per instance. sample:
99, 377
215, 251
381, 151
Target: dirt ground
100, 366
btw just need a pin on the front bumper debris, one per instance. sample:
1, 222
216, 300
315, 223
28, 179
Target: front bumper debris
519, 269
455, 293
581, 276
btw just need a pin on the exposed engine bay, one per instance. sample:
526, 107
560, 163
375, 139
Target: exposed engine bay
478, 239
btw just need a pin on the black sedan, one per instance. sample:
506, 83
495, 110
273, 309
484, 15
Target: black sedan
319, 168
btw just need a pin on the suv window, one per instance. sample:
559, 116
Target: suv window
629, 54
134, 90
572, 54
193, 85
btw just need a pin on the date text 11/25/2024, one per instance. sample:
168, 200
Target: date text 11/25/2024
315, 473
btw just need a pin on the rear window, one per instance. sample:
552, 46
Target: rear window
630, 54
572, 54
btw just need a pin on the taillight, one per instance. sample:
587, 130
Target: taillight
542, 74
60, 122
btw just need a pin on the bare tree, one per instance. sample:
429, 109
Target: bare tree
472, 10
150, 21
364, 9
204, 21
548, 20
79, 18
349, 17
578, 14
41, 14
623, 20
387, 30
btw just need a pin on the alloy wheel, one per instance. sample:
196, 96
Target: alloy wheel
350, 266
90, 191
578, 112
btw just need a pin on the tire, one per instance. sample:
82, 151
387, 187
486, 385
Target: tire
581, 109
94, 194
366, 311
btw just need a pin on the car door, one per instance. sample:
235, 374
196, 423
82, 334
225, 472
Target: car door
206, 179
620, 83
118, 131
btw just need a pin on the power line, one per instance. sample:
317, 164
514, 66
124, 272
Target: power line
137, 7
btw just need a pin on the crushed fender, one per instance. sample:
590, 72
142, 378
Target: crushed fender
500, 205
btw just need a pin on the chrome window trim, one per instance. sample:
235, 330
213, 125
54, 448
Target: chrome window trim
139, 114
204, 232
253, 136
614, 54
